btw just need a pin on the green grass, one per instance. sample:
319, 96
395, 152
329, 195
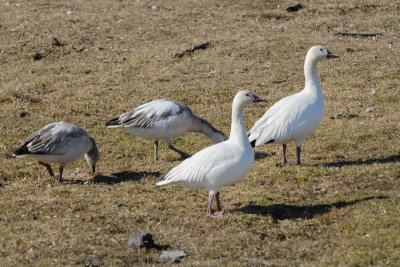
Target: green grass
341, 208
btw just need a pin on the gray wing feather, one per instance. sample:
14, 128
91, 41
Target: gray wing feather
53, 138
147, 114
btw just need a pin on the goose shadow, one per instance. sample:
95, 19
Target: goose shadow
74, 181
120, 177
291, 212
389, 159
262, 155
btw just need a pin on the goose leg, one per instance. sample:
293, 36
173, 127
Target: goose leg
298, 152
49, 169
156, 150
61, 173
284, 154
219, 212
209, 205
180, 152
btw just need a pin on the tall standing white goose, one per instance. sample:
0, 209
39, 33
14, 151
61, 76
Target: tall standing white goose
220, 164
59, 142
294, 117
164, 119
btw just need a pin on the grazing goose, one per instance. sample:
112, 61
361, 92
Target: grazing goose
59, 142
220, 164
295, 116
164, 119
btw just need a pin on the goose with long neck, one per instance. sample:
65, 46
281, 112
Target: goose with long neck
200, 125
296, 116
59, 142
164, 120
220, 164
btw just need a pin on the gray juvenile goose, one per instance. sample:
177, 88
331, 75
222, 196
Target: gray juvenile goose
59, 142
164, 119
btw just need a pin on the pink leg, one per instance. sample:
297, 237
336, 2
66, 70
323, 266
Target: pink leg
284, 154
298, 152
219, 212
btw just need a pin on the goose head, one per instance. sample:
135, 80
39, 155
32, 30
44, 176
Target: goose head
318, 53
92, 156
218, 137
245, 98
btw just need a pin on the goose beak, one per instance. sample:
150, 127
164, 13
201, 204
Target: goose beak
258, 99
331, 55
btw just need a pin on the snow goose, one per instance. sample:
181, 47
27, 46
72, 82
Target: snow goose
164, 119
59, 142
220, 164
295, 116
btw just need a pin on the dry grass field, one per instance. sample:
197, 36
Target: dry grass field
88, 61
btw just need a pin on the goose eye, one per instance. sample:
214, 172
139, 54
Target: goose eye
247, 94
320, 49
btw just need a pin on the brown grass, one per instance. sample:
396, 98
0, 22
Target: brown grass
340, 209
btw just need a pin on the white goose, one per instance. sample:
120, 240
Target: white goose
294, 117
59, 142
220, 164
164, 119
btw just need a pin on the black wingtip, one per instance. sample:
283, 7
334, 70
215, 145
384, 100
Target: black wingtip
23, 150
253, 143
112, 122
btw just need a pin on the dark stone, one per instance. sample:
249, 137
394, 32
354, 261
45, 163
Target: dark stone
141, 239
38, 56
23, 114
294, 8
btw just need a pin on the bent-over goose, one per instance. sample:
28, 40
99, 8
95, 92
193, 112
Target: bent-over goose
294, 117
220, 164
59, 142
164, 119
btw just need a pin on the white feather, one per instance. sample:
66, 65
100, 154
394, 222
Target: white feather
220, 164
296, 116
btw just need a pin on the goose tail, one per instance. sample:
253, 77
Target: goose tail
20, 152
113, 123
252, 142
161, 181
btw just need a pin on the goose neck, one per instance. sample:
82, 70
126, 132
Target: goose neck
311, 77
93, 155
200, 125
238, 131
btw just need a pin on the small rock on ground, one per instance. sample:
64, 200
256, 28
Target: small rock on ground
172, 256
38, 56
